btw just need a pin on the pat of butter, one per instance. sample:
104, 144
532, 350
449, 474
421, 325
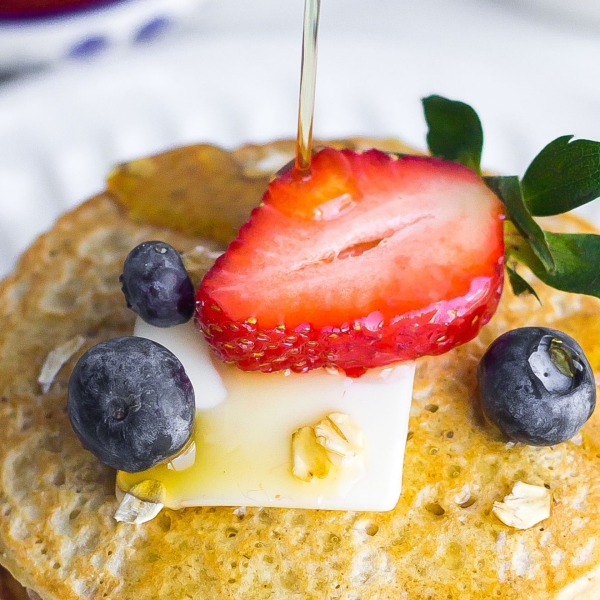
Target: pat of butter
244, 426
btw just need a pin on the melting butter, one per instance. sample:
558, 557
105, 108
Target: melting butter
241, 453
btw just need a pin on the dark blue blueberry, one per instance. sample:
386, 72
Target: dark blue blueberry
157, 286
537, 385
131, 403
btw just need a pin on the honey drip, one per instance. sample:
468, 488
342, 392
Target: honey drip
307, 85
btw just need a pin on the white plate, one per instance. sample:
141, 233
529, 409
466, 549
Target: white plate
60, 133
81, 34
580, 12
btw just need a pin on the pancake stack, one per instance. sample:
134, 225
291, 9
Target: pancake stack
58, 537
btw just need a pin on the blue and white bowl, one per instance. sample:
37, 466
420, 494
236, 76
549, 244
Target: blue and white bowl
80, 33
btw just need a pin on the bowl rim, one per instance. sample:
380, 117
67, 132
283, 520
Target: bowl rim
35, 16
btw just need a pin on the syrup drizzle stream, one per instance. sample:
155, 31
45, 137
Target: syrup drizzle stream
307, 85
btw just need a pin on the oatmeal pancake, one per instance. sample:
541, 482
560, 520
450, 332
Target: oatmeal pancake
57, 533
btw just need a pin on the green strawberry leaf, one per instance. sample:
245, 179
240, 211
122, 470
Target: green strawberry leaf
508, 190
519, 285
564, 175
575, 258
455, 131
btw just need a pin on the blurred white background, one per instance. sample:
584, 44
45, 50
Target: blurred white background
227, 71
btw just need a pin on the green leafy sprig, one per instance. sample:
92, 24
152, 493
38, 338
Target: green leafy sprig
563, 176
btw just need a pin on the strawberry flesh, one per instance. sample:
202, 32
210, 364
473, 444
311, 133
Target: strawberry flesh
368, 260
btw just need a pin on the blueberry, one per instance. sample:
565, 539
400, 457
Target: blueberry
156, 285
537, 386
131, 403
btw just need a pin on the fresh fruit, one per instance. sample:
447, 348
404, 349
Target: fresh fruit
157, 286
371, 259
537, 386
131, 403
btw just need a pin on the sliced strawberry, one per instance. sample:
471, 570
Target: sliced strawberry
369, 260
